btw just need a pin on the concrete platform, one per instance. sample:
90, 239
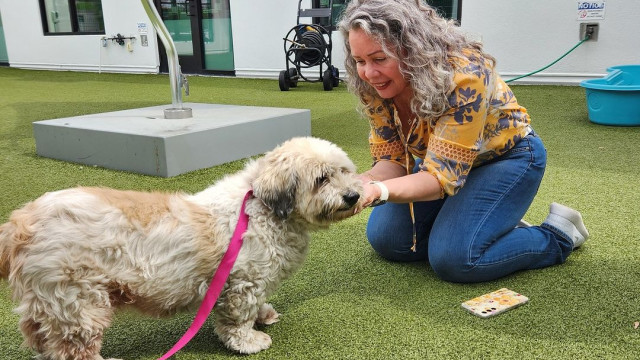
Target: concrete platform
142, 141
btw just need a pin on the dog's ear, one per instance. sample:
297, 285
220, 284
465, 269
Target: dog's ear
276, 186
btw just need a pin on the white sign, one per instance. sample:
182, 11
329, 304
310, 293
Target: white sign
590, 10
142, 28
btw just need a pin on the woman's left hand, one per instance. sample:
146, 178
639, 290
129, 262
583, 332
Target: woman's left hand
370, 193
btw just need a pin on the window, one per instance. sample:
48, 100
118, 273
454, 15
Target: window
337, 6
4, 57
448, 8
72, 17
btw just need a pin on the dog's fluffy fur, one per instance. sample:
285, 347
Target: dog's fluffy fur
73, 256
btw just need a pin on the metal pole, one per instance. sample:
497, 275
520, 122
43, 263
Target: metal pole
177, 111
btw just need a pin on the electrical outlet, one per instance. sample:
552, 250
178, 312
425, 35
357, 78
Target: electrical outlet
589, 29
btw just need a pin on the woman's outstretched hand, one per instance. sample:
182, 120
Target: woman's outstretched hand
370, 193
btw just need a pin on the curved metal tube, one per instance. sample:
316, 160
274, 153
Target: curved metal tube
175, 74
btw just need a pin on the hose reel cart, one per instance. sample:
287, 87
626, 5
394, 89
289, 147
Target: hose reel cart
307, 46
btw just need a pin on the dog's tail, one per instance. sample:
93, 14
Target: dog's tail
14, 234
5, 249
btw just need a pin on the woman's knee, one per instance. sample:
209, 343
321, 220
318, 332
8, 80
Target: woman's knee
451, 266
392, 245
382, 243
454, 274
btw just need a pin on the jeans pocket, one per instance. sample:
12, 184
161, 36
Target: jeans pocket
523, 146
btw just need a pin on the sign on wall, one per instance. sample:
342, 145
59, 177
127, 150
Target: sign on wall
142, 28
590, 10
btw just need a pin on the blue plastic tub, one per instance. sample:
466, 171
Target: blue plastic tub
615, 98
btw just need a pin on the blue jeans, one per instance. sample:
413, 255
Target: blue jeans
472, 236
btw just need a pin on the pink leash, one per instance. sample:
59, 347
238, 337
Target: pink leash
217, 283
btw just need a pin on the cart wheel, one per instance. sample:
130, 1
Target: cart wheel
327, 80
336, 76
284, 80
293, 77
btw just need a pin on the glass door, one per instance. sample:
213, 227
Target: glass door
201, 32
181, 17
216, 35
4, 57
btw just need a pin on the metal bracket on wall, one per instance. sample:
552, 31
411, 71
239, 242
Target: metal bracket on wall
119, 39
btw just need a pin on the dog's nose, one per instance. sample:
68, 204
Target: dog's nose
351, 198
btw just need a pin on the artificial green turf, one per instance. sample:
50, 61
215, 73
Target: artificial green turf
346, 302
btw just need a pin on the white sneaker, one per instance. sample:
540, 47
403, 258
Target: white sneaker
568, 222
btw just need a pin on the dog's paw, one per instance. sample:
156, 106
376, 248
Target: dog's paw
267, 315
254, 342
244, 339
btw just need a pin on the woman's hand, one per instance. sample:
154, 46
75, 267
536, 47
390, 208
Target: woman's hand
370, 193
382, 170
421, 186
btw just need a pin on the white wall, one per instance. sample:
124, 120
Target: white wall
258, 43
257, 39
258, 29
27, 47
525, 36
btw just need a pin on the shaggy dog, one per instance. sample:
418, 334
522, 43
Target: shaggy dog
73, 256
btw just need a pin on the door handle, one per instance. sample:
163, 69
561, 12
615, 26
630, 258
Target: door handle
192, 8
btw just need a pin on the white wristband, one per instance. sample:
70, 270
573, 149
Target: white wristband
384, 191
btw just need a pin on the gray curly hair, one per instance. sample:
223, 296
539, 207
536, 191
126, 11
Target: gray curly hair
419, 38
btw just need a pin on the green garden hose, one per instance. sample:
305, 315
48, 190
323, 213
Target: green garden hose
558, 59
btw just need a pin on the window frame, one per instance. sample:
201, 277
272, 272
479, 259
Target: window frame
456, 10
73, 14
454, 7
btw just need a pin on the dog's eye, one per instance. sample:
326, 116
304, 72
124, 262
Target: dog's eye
322, 180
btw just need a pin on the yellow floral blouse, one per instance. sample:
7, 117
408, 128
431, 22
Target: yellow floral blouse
484, 121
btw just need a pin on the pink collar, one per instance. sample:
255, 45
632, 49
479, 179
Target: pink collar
218, 281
